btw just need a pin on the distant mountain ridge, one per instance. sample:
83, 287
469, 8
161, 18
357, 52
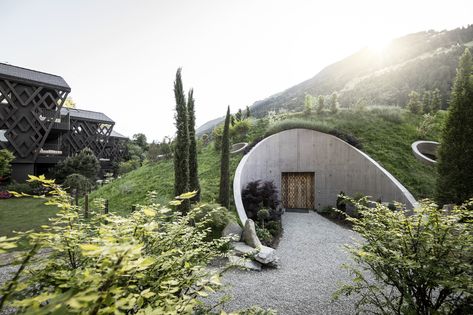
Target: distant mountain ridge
420, 61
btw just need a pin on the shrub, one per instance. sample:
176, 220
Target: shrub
6, 157
215, 216
78, 182
274, 227
128, 166
264, 236
25, 188
412, 263
257, 195
84, 163
153, 261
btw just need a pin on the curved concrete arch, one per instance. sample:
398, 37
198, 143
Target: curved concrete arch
337, 165
424, 150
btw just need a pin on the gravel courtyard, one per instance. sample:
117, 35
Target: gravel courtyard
311, 252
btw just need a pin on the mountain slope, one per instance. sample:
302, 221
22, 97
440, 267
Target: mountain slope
419, 61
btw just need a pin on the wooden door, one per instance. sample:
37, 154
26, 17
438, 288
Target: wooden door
298, 190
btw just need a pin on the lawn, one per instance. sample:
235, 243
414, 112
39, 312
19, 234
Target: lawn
23, 214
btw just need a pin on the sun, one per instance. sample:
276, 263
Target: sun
379, 45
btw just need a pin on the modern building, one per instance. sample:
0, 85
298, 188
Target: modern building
40, 132
311, 168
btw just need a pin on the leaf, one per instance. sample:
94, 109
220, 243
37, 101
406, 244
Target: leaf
89, 247
149, 212
175, 202
188, 195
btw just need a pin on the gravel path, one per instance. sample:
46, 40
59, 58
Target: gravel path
311, 253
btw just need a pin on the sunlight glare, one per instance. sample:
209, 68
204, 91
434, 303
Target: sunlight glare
379, 45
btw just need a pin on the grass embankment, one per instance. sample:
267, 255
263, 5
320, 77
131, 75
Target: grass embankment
133, 187
386, 134
23, 214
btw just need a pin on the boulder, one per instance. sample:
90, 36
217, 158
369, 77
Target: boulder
241, 249
245, 263
249, 234
233, 229
267, 256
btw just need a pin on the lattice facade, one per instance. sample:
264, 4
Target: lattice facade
86, 134
27, 115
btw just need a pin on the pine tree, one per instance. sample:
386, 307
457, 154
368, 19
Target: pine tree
455, 164
224, 195
414, 104
181, 149
334, 103
436, 101
193, 166
248, 113
239, 115
320, 104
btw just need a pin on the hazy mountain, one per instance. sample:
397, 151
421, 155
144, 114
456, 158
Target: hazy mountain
419, 61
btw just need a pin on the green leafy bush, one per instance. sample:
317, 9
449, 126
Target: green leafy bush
6, 157
152, 262
264, 235
215, 216
84, 163
78, 182
412, 263
128, 166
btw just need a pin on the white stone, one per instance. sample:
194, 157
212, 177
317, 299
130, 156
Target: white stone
249, 234
245, 263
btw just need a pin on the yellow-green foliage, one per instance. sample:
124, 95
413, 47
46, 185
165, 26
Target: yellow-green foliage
151, 262
412, 263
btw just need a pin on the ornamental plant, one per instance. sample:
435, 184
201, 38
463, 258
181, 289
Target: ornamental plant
151, 262
418, 262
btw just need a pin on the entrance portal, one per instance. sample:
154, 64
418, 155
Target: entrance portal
298, 190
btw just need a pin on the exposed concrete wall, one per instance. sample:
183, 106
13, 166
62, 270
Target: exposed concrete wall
338, 166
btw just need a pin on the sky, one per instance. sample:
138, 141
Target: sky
120, 57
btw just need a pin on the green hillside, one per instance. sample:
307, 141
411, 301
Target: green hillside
415, 62
385, 133
133, 187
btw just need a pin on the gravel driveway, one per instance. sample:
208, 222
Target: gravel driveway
311, 253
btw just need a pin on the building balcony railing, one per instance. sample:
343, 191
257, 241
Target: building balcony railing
51, 149
61, 123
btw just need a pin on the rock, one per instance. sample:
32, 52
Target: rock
233, 229
241, 249
245, 263
266, 255
249, 234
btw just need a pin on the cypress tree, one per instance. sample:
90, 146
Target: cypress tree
181, 149
193, 167
248, 113
455, 165
427, 102
224, 195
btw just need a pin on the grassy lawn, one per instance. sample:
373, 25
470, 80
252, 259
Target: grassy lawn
22, 214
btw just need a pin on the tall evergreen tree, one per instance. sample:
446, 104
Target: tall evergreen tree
455, 165
239, 115
181, 149
224, 195
248, 113
193, 167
